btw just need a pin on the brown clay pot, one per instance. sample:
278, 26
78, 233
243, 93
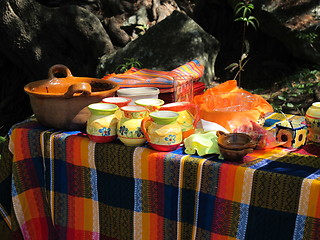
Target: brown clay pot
62, 102
234, 146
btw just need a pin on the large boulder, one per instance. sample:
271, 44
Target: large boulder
294, 23
35, 37
172, 42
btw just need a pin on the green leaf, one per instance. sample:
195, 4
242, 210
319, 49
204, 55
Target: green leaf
252, 18
251, 6
240, 19
140, 27
239, 10
237, 6
252, 24
232, 66
289, 105
245, 11
244, 56
282, 98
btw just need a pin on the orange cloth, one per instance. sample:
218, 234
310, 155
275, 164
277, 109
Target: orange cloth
164, 80
246, 106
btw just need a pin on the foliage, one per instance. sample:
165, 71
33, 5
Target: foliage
243, 9
129, 63
141, 29
2, 140
309, 37
296, 93
241, 63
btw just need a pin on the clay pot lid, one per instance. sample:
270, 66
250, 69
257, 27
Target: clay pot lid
69, 86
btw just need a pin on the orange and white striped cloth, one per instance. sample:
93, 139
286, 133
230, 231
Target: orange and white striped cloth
164, 80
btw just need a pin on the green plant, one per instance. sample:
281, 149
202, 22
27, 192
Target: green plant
240, 64
243, 9
309, 37
2, 140
141, 29
129, 63
296, 92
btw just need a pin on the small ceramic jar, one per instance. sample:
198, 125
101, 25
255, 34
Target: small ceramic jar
102, 123
188, 116
152, 104
162, 130
129, 126
313, 122
120, 102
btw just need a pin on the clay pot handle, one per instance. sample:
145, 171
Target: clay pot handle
220, 133
58, 68
144, 128
83, 88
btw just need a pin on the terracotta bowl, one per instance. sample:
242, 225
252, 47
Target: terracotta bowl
234, 146
61, 103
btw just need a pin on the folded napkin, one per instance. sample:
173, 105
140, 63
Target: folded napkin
202, 143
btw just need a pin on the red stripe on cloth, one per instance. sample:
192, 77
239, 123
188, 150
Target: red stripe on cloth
227, 176
76, 234
156, 226
156, 166
215, 236
21, 142
156, 174
36, 228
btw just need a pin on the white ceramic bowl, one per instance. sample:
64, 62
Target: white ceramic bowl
136, 93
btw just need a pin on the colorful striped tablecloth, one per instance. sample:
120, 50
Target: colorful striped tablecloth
166, 81
67, 187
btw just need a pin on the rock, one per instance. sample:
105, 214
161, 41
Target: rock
174, 41
116, 32
69, 35
34, 38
